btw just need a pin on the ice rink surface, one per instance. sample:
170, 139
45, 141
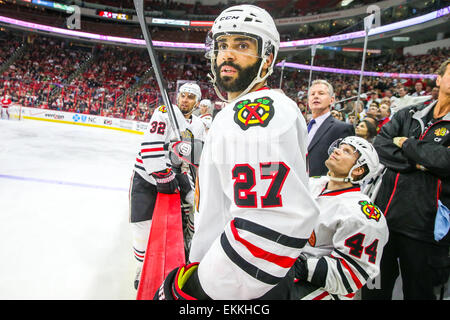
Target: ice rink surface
64, 231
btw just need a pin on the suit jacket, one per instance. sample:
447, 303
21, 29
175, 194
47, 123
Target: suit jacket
329, 131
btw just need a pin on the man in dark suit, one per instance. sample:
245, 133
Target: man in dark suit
323, 129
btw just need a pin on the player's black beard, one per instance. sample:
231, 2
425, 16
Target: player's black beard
245, 77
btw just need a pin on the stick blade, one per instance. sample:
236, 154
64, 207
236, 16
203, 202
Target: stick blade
165, 249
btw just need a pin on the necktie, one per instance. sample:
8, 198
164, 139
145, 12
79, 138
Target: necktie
310, 124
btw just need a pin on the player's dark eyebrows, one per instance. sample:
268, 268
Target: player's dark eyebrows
190, 95
237, 39
240, 39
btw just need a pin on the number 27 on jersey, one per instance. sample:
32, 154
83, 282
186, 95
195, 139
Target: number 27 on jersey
244, 176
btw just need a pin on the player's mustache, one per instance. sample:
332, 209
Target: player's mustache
230, 64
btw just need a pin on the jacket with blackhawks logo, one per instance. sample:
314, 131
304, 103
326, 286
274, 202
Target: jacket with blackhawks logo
346, 246
409, 196
255, 212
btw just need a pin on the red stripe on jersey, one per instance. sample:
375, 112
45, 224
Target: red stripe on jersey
392, 194
152, 149
139, 160
282, 261
320, 296
338, 192
139, 255
353, 275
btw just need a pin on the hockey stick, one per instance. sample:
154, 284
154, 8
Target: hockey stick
139, 6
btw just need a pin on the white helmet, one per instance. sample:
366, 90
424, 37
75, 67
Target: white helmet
207, 103
191, 87
367, 156
249, 20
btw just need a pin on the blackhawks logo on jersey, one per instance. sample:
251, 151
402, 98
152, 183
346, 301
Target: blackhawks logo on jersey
370, 210
441, 132
253, 113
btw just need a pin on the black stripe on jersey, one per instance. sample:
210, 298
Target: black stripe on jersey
269, 233
138, 251
345, 282
151, 143
245, 265
139, 167
153, 156
354, 263
319, 276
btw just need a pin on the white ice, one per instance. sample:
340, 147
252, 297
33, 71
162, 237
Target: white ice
64, 231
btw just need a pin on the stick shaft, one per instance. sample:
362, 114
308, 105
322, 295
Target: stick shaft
139, 5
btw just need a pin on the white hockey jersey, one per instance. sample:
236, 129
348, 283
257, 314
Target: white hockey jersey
255, 212
207, 119
345, 249
197, 127
151, 156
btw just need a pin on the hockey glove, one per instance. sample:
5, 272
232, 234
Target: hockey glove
181, 284
184, 184
301, 268
166, 181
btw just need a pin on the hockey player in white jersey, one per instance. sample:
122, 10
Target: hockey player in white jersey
205, 112
154, 172
188, 100
345, 249
254, 210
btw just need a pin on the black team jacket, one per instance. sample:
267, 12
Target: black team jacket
409, 196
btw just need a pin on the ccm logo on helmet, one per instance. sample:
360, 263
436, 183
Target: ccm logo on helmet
229, 18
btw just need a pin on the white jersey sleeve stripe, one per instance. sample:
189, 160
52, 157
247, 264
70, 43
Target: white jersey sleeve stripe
249, 268
152, 143
354, 277
347, 286
156, 151
354, 263
269, 233
282, 261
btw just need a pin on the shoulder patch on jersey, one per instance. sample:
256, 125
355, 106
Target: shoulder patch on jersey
312, 239
163, 109
253, 113
370, 210
441, 132
187, 134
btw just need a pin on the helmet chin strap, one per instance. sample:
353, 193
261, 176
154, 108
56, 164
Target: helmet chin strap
347, 179
256, 80
188, 114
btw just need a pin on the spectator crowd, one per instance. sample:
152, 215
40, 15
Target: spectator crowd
119, 82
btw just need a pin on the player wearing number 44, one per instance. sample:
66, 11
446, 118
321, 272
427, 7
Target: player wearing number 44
255, 212
345, 249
